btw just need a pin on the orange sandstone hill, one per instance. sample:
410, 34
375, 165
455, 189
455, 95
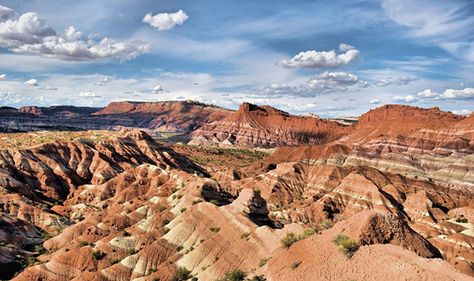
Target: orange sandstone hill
265, 126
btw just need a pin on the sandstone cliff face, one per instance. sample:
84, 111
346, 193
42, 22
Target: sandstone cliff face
264, 126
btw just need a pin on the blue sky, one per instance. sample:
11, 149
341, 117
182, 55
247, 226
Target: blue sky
331, 58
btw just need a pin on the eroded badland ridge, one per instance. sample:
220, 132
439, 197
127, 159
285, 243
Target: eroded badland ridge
256, 192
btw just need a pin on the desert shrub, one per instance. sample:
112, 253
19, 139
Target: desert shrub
263, 262
308, 232
347, 246
179, 248
215, 202
183, 210
326, 225
215, 229
85, 243
461, 219
258, 278
126, 233
166, 230
45, 236
289, 239
181, 274
32, 260
98, 255
113, 261
244, 235
165, 222
197, 201
234, 275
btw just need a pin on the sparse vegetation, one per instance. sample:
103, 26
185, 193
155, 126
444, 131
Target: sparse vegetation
289, 239
181, 274
215, 202
244, 235
183, 210
263, 262
85, 243
308, 232
326, 225
166, 230
347, 246
45, 236
98, 255
461, 219
234, 275
215, 229
197, 201
257, 278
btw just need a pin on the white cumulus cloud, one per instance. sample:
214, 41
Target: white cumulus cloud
427, 93
32, 82
322, 59
374, 101
29, 34
166, 21
3, 77
406, 99
345, 47
466, 93
324, 83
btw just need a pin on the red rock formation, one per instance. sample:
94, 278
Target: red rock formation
265, 126
180, 116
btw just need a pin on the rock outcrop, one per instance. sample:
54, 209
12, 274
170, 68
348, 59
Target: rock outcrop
265, 126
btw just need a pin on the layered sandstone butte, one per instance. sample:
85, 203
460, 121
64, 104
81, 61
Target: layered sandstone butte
265, 126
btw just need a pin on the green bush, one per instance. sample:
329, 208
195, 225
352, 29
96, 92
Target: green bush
234, 275
215, 229
461, 219
308, 232
289, 239
347, 246
85, 243
258, 278
181, 274
263, 262
215, 202
98, 255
